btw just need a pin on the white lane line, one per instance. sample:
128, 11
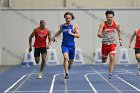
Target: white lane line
53, 81
28, 76
52, 84
6, 91
45, 91
93, 88
126, 81
108, 82
66, 87
130, 72
14, 84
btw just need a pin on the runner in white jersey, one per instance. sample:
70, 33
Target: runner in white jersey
107, 32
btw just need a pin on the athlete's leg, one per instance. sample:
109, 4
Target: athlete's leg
66, 59
112, 59
43, 63
71, 61
37, 55
112, 63
138, 59
71, 56
44, 55
65, 52
104, 59
37, 59
137, 55
105, 52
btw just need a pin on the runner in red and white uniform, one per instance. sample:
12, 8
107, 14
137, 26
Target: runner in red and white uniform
137, 46
107, 31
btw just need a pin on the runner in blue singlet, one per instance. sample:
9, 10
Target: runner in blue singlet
70, 31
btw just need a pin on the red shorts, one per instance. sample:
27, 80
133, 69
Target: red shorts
108, 49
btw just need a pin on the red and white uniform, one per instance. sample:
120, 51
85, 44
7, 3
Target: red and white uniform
137, 43
109, 33
40, 38
109, 39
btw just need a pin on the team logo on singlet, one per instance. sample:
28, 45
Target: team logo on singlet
41, 35
109, 29
65, 30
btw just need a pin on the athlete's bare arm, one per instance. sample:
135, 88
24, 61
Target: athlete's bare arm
57, 34
119, 31
119, 34
100, 30
30, 39
132, 37
77, 32
49, 39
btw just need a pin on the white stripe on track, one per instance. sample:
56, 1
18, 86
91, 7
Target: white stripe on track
6, 91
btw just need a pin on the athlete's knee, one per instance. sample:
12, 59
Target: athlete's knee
43, 63
138, 59
104, 59
43, 60
66, 59
112, 55
37, 60
71, 61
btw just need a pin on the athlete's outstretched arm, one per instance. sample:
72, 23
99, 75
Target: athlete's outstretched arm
30, 39
56, 34
100, 30
77, 32
131, 39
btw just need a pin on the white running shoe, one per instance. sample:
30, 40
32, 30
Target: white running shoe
40, 75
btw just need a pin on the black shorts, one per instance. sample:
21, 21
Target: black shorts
137, 50
41, 50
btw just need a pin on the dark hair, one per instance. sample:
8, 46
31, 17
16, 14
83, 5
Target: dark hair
42, 21
109, 12
69, 13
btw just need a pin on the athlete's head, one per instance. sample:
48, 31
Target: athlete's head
68, 17
42, 23
109, 15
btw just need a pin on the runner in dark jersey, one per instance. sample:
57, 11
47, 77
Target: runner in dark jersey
70, 31
107, 31
137, 46
41, 34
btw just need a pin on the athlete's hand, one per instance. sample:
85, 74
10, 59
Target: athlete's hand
30, 49
100, 35
54, 40
129, 46
70, 32
120, 41
47, 47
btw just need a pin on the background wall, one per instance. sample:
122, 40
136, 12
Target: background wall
36, 3
101, 3
17, 24
69, 3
